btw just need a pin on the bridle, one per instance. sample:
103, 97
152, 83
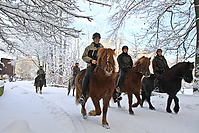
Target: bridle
103, 66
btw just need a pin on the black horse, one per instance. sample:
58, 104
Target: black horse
169, 82
39, 82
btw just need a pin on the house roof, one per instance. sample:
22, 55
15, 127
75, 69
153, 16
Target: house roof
6, 55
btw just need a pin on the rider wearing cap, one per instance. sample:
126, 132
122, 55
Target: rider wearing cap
90, 57
159, 65
125, 64
39, 72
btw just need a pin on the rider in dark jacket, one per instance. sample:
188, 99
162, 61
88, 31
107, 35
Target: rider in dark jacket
90, 57
75, 72
159, 66
39, 72
125, 64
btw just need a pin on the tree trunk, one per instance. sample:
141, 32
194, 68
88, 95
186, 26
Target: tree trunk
196, 2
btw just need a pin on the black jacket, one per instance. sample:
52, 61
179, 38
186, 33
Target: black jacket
125, 61
159, 64
75, 70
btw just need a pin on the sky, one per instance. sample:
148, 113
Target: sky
24, 111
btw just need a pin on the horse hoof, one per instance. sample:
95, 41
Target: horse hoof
169, 111
131, 113
176, 109
106, 126
152, 108
92, 113
85, 117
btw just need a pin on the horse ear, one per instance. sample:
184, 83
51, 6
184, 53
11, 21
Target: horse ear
190, 65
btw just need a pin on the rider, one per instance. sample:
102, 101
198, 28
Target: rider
159, 66
75, 71
41, 71
90, 57
125, 64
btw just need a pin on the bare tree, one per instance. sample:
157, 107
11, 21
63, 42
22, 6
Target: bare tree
168, 24
33, 18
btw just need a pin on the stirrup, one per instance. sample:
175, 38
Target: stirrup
81, 100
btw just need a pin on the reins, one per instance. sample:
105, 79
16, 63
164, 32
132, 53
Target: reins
105, 64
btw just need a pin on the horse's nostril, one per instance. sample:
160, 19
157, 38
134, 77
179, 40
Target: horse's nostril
111, 69
106, 69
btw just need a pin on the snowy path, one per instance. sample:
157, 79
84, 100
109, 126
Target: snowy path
55, 112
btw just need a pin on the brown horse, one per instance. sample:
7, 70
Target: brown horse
132, 81
101, 84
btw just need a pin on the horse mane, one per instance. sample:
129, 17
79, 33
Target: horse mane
138, 61
175, 70
103, 51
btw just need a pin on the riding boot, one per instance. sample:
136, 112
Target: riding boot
117, 90
156, 85
83, 96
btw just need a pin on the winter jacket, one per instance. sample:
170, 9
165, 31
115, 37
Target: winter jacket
75, 70
90, 53
159, 64
40, 71
125, 61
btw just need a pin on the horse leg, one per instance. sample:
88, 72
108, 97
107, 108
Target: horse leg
69, 87
73, 90
176, 107
97, 110
143, 97
118, 102
149, 102
36, 88
137, 95
105, 108
169, 100
83, 110
130, 106
41, 90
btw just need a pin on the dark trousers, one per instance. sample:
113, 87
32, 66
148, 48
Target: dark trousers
120, 79
86, 79
157, 77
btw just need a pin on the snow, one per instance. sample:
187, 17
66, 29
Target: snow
24, 111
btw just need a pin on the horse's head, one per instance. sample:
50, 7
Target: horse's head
106, 61
188, 75
143, 65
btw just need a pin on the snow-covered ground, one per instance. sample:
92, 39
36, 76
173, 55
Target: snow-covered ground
24, 111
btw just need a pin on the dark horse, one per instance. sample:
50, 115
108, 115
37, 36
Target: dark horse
132, 81
71, 85
39, 82
101, 84
170, 83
